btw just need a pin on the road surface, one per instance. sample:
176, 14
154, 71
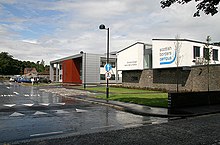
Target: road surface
28, 113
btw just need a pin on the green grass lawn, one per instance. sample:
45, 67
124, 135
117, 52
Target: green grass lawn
118, 90
144, 97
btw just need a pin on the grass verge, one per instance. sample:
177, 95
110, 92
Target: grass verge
143, 97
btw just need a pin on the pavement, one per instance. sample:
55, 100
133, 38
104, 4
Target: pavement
154, 111
135, 108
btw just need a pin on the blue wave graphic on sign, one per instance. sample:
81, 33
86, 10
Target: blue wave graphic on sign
169, 62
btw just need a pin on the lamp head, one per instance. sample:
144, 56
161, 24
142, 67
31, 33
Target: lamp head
102, 26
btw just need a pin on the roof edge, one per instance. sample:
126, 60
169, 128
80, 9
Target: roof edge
173, 39
133, 45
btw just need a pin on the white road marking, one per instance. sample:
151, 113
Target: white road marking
16, 93
80, 110
45, 104
16, 114
8, 87
7, 95
47, 133
26, 95
133, 125
9, 105
39, 113
155, 122
29, 105
60, 103
61, 111
102, 127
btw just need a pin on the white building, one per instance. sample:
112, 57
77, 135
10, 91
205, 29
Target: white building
165, 53
137, 56
175, 62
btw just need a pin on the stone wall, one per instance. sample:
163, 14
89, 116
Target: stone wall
194, 79
191, 99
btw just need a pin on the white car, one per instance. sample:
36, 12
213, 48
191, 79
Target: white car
12, 79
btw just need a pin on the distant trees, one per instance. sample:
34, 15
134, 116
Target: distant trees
11, 66
8, 66
207, 6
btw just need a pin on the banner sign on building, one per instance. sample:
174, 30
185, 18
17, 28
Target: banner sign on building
167, 55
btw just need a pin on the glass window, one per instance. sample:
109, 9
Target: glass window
215, 54
102, 76
206, 53
196, 51
102, 64
113, 64
148, 61
112, 77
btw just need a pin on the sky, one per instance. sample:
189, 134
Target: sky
32, 30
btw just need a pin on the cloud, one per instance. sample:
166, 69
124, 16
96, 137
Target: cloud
50, 29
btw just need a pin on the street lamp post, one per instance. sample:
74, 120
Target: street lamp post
102, 26
84, 69
208, 39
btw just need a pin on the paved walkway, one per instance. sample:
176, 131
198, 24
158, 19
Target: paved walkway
134, 108
154, 111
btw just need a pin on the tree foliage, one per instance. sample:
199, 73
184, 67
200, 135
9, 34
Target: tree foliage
207, 6
11, 66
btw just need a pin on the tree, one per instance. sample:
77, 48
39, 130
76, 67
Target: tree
178, 46
207, 6
10, 66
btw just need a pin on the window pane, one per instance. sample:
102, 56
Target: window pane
196, 51
215, 54
112, 77
102, 76
102, 64
206, 53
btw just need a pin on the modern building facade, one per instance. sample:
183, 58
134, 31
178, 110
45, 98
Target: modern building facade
83, 68
167, 52
137, 56
169, 64
177, 64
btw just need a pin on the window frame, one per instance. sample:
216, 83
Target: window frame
215, 54
195, 49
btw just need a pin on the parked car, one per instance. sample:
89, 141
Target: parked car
23, 80
12, 79
43, 80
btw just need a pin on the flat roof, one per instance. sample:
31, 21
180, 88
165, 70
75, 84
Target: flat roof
80, 55
133, 45
189, 40
66, 58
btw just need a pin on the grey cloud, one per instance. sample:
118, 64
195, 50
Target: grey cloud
129, 21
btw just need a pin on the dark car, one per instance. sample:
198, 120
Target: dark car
43, 80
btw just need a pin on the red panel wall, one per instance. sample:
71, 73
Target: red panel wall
71, 71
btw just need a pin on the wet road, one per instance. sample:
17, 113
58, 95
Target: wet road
27, 112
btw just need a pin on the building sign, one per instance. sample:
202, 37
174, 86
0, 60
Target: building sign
131, 63
167, 55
